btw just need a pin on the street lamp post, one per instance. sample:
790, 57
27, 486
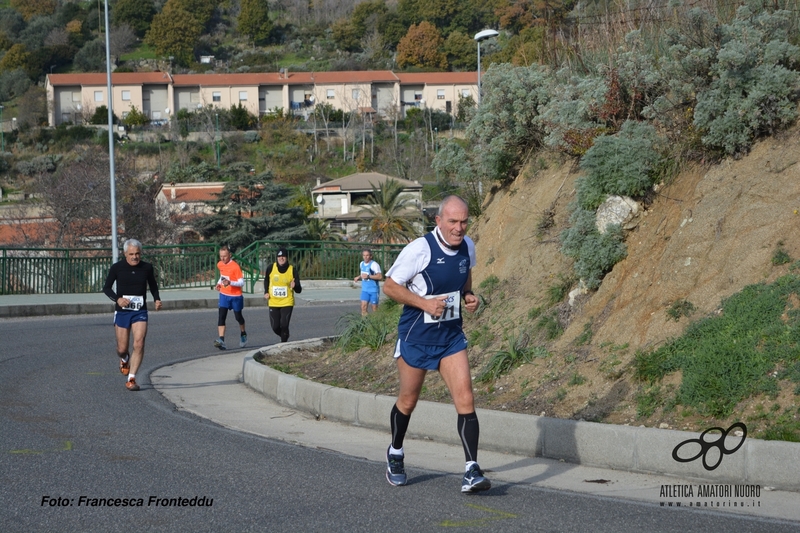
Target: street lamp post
2, 132
482, 36
112, 173
216, 138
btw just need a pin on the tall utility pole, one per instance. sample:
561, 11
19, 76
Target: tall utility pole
216, 138
112, 171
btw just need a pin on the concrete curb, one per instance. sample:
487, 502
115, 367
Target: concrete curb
29, 310
632, 449
21, 310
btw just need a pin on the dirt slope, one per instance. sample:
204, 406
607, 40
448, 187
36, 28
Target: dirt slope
706, 235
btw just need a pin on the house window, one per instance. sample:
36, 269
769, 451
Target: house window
440, 94
126, 96
125, 114
242, 96
330, 94
98, 96
356, 94
465, 93
216, 96
418, 96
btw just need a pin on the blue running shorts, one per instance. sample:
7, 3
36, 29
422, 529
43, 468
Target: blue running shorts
231, 302
124, 319
426, 356
371, 297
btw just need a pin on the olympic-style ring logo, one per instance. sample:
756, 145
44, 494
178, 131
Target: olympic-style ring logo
706, 446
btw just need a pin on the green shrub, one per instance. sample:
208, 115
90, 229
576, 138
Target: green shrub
569, 117
594, 253
38, 165
680, 308
623, 164
781, 257
576, 379
738, 79
586, 335
241, 118
505, 125
100, 116
135, 117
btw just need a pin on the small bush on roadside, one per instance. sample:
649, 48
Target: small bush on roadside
369, 331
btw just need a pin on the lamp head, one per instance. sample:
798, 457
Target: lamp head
486, 34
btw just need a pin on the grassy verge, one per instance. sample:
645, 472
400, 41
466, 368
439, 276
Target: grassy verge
743, 350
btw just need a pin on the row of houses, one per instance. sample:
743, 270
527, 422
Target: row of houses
72, 98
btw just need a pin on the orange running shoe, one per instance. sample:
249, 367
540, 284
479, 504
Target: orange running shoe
131, 385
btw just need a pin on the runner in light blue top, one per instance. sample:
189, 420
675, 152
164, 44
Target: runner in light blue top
369, 276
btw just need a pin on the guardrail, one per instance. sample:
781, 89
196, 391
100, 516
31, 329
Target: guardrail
82, 270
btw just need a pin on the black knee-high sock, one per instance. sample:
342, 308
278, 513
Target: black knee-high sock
469, 431
399, 423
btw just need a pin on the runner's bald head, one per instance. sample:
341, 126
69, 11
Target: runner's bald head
450, 199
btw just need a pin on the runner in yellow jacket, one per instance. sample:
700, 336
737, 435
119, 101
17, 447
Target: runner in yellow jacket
281, 282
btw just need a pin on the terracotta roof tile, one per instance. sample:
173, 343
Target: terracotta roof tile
122, 78
438, 78
191, 193
265, 78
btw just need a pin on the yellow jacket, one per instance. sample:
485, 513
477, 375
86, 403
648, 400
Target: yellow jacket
279, 286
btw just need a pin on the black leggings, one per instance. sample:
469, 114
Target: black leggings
223, 315
279, 318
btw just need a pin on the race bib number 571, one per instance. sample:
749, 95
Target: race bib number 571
452, 308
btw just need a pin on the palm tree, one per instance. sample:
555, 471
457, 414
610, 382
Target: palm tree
320, 230
392, 217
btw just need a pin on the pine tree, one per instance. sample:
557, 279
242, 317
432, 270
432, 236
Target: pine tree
254, 20
251, 208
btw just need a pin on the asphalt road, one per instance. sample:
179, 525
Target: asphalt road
72, 435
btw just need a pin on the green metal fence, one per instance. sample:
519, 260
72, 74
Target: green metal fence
317, 260
81, 270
